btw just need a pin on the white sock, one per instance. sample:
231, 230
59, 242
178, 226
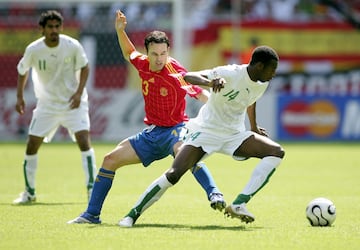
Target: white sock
30, 166
261, 174
152, 194
89, 166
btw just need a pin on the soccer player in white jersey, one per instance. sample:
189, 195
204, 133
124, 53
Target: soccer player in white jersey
220, 127
55, 60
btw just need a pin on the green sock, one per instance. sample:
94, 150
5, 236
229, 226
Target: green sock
134, 214
150, 196
30, 167
241, 198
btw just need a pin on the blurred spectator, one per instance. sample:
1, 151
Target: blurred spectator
293, 10
199, 12
85, 12
260, 10
283, 10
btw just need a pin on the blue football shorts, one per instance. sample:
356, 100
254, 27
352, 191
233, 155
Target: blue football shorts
155, 143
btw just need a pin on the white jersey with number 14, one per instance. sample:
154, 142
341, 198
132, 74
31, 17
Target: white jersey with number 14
225, 111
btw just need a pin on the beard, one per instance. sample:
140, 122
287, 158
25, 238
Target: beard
54, 37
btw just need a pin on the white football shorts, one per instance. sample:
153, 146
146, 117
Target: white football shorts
211, 142
44, 123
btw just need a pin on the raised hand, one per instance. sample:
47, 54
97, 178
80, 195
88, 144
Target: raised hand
120, 20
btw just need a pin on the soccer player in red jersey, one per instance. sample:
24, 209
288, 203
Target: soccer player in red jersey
163, 86
164, 90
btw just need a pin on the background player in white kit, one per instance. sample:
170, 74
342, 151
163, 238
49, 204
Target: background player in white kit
220, 127
55, 60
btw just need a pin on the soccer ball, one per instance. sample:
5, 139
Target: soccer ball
321, 212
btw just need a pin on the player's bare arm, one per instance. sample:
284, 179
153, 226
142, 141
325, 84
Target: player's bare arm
127, 47
251, 112
75, 99
197, 79
20, 102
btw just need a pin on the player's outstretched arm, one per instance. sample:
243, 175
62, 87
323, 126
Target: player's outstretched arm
127, 47
196, 78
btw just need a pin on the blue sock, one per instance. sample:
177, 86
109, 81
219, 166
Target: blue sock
204, 177
101, 188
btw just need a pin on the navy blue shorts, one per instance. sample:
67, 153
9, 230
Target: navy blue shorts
155, 143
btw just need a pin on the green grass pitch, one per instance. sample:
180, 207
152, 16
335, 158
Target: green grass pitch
183, 219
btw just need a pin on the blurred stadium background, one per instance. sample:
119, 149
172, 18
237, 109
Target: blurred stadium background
314, 97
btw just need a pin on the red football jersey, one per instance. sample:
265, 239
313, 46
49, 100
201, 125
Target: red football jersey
164, 91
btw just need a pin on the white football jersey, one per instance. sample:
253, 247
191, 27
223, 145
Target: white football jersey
225, 111
54, 70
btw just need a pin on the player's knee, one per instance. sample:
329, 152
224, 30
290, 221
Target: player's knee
83, 140
33, 145
172, 176
280, 152
110, 162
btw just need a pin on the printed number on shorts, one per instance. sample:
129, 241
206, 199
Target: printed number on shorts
193, 136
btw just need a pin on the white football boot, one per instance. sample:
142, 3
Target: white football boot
126, 222
24, 198
240, 212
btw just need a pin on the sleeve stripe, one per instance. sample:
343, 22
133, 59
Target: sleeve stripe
170, 67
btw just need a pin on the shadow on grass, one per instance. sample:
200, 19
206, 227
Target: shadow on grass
183, 226
192, 227
43, 204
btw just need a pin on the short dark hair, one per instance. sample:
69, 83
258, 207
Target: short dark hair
50, 15
263, 54
156, 37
